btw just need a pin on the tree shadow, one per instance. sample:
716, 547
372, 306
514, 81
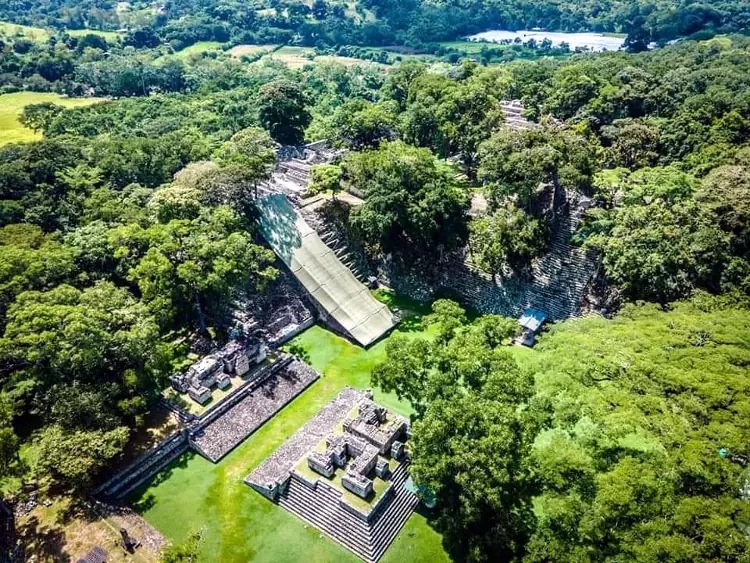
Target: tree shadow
46, 543
140, 500
278, 224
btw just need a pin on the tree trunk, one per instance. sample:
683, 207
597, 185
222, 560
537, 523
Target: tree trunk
201, 317
558, 198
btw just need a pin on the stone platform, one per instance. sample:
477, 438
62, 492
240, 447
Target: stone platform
367, 529
220, 436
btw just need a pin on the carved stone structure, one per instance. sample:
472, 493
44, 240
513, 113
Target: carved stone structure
370, 434
359, 448
215, 369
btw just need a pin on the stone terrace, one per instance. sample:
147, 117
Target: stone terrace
220, 436
276, 468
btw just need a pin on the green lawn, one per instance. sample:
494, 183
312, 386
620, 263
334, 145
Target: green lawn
33, 33
11, 105
471, 47
240, 525
110, 36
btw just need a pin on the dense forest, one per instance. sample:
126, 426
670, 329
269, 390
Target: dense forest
130, 224
375, 22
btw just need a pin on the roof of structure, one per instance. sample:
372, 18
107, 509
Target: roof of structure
321, 272
532, 319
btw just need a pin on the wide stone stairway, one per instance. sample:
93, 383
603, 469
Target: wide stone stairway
320, 507
556, 285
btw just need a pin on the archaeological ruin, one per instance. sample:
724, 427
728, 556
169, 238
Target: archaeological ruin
345, 473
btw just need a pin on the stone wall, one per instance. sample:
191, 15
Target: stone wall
145, 466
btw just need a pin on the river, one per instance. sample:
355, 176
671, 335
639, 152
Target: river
594, 41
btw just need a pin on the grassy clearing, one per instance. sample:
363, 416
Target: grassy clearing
250, 50
15, 30
11, 105
471, 47
240, 525
346, 61
109, 36
197, 49
293, 57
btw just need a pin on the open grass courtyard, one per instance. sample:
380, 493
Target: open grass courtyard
239, 525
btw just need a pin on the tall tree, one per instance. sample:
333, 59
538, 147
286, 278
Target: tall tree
412, 206
283, 111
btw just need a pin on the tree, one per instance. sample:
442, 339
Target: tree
468, 114
411, 205
283, 111
95, 337
627, 441
183, 265
30, 260
39, 117
325, 178
515, 163
726, 193
361, 124
253, 152
472, 435
9, 442
509, 238
647, 461
661, 244
74, 459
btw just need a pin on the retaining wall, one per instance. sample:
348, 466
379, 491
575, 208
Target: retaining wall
145, 466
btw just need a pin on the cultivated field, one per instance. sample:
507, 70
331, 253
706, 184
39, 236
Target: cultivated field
11, 29
240, 525
293, 57
11, 105
14, 30
250, 50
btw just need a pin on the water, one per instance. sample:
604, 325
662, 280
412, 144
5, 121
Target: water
594, 41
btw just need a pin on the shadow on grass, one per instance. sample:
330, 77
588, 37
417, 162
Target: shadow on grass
141, 501
47, 544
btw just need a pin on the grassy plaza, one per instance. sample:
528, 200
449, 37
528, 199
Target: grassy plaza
236, 523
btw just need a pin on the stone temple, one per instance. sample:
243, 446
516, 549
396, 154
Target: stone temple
216, 370
345, 472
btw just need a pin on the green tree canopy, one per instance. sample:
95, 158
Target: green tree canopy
412, 207
509, 238
283, 111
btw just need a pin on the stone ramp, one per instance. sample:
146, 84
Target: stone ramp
222, 435
340, 297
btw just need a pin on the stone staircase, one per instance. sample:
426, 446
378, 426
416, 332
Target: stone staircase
512, 110
369, 539
335, 238
557, 284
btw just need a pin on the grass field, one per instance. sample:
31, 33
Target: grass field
471, 47
240, 525
33, 33
346, 61
11, 105
293, 57
106, 35
40, 34
198, 48
250, 50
